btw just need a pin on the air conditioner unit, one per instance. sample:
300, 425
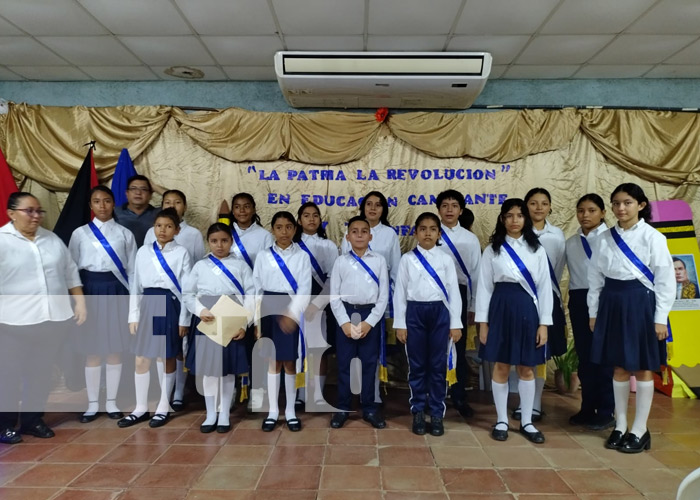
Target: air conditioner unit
441, 80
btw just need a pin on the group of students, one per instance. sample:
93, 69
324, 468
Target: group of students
621, 290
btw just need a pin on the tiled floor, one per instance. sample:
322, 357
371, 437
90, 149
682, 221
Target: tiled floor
99, 461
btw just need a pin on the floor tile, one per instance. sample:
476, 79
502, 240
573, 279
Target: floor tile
146, 435
420, 495
135, 453
406, 456
285, 494
350, 495
45, 474
411, 479
571, 459
677, 458
472, 481
242, 455
458, 456
351, 455
290, 477
28, 453
76, 452
353, 436
27, 493
617, 460
87, 494
595, 481
115, 435
172, 476
254, 436
297, 455
221, 495
154, 494
108, 476
515, 457
62, 436
462, 437
397, 437
306, 436
229, 478
350, 477
475, 496
194, 436
534, 481
188, 454
652, 480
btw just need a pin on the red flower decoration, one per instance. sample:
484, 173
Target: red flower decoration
381, 114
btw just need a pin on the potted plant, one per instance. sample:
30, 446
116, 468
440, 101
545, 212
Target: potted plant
566, 373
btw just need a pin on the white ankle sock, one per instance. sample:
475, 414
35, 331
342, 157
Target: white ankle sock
210, 387
273, 394
621, 392
180, 379
290, 391
526, 389
92, 384
113, 374
228, 394
500, 399
141, 383
539, 388
645, 395
165, 388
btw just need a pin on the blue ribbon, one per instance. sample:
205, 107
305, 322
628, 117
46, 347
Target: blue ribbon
431, 272
285, 270
240, 246
365, 266
228, 273
521, 266
447, 240
631, 255
586, 247
166, 267
552, 275
314, 262
108, 248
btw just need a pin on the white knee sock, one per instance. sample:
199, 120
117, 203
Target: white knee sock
290, 390
180, 378
500, 399
645, 394
92, 384
141, 383
526, 389
273, 394
160, 367
210, 387
621, 392
319, 382
165, 388
113, 374
228, 394
539, 388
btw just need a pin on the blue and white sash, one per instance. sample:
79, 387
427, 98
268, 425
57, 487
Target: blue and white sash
627, 251
586, 247
227, 272
553, 277
167, 269
521, 267
431, 272
285, 270
365, 266
314, 263
241, 247
462, 266
121, 274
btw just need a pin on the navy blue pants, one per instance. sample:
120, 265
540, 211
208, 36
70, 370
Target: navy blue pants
596, 380
457, 391
428, 325
367, 350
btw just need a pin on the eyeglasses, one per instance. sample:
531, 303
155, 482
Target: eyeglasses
32, 212
135, 189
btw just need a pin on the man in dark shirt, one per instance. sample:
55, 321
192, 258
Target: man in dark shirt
137, 214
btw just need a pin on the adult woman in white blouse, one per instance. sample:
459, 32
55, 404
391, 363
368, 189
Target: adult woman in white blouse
36, 271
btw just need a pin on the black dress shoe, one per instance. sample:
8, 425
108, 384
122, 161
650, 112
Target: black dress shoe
436, 426
375, 419
158, 420
615, 440
206, 429
39, 429
634, 444
115, 415
500, 435
465, 410
10, 436
581, 418
601, 422
419, 423
294, 424
177, 405
269, 425
535, 437
84, 419
338, 419
132, 419
223, 429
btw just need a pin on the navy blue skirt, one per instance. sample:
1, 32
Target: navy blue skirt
513, 323
206, 357
158, 335
624, 334
106, 329
286, 344
556, 332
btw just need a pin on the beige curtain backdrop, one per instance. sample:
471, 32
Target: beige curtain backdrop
284, 159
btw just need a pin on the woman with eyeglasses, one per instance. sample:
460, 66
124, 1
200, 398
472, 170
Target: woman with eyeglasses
37, 274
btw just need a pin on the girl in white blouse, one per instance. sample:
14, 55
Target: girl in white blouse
218, 274
105, 253
311, 237
631, 291
514, 307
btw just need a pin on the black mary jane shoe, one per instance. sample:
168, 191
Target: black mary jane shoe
498, 434
158, 420
615, 440
114, 415
534, 437
132, 419
294, 424
177, 405
39, 429
85, 419
419, 423
10, 436
269, 425
375, 419
634, 444
338, 419
206, 429
223, 429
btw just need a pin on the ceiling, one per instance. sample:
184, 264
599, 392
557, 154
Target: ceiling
66, 40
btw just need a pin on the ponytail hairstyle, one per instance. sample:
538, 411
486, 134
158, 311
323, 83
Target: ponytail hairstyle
103, 189
593, 197
499, 233
321, 231
177, 193
284, 215
384, 218
216, 227
249, 197
434, 218
637, 193
14, 199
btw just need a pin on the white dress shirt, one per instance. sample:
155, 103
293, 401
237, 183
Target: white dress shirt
576, 258
268, 276
495, 268
414, 283
553, 240
650, 247
35, 277
469, 248
384, 241
254, 238
188, 237
148, 273
89, 254
350, 282
207, 280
